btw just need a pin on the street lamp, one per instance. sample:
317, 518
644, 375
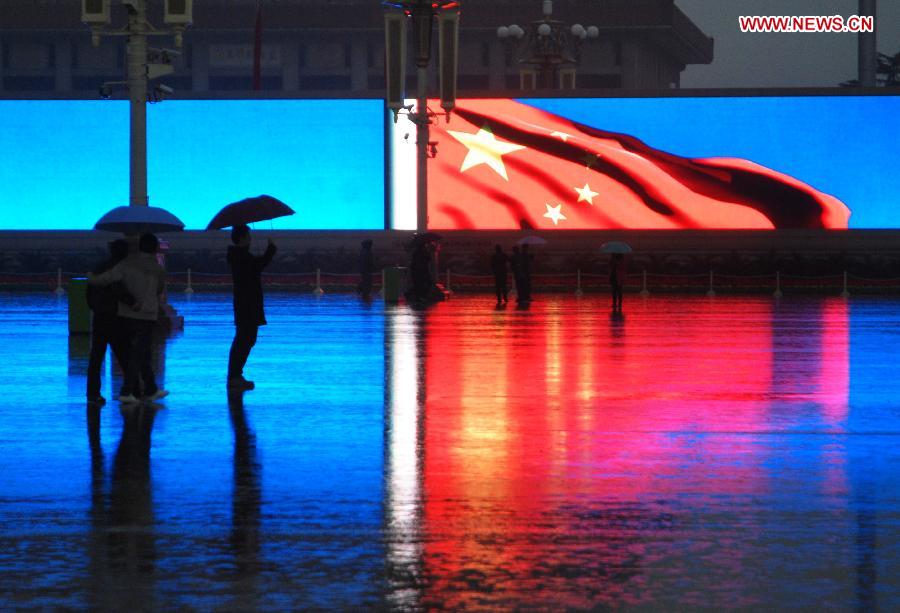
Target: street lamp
144, 63
421, 13
550, 47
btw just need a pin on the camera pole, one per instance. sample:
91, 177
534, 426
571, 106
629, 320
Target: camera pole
137, 95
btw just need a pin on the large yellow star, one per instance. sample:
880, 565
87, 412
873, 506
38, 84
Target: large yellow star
484, 149
554, 213
586, 194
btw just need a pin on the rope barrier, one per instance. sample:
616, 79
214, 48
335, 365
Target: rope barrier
579, 281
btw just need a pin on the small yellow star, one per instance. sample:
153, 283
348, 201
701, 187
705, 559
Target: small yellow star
586, 194
554, 213
565, 137
484, 149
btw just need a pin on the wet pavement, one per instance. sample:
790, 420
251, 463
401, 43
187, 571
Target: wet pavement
694, 453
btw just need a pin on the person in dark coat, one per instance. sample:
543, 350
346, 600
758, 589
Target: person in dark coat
107, 329
616, 277
499, 267
249, 314
366, 268
420, 271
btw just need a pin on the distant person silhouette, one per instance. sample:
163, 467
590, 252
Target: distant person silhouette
499, 266
144, 279
616, 278
249, 314
420, 270
366, 269
107, 328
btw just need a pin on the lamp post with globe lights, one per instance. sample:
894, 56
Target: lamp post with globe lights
549, 46
421, 14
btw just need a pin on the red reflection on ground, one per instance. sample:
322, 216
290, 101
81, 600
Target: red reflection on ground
549, 430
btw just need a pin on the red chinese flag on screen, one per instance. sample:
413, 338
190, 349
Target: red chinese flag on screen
502, 164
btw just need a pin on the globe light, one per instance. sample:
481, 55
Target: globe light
578, 31
516, 31
502, 32
544, 30
593, 32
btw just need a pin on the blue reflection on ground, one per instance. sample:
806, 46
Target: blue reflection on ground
735, 452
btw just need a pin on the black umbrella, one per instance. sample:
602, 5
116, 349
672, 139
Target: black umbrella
249, 210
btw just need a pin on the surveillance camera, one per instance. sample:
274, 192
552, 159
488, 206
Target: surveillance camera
164, 90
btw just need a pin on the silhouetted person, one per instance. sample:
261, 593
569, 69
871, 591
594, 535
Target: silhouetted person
616, 277
366, 268
420, 270
499, 263
107, 328
145, 280
249, 314
525, 265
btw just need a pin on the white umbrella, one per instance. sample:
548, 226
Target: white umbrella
531, 240
139, 219
615, 247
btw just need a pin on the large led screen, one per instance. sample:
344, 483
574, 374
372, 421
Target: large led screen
65, 163
825, 162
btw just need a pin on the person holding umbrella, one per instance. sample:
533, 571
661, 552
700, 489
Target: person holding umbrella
617, 251
249, 313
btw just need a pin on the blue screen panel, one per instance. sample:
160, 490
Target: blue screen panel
324, 158
65, 162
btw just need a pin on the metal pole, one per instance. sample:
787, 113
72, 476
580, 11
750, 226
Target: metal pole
447, 287
189, 290
422, 136
778, 293
137, 94
868, 47
644, 291
318, 291
578, 291
846, 292
59, 286
711, 291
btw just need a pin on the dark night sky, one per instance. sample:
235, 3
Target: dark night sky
782, 60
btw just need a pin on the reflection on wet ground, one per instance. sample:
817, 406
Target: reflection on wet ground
692, 453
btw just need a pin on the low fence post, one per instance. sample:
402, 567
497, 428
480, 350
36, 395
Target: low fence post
189, 290
846, 292
59, 287
777, 293
318, 291
644, 291
578, 291
447, 286
711, 292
